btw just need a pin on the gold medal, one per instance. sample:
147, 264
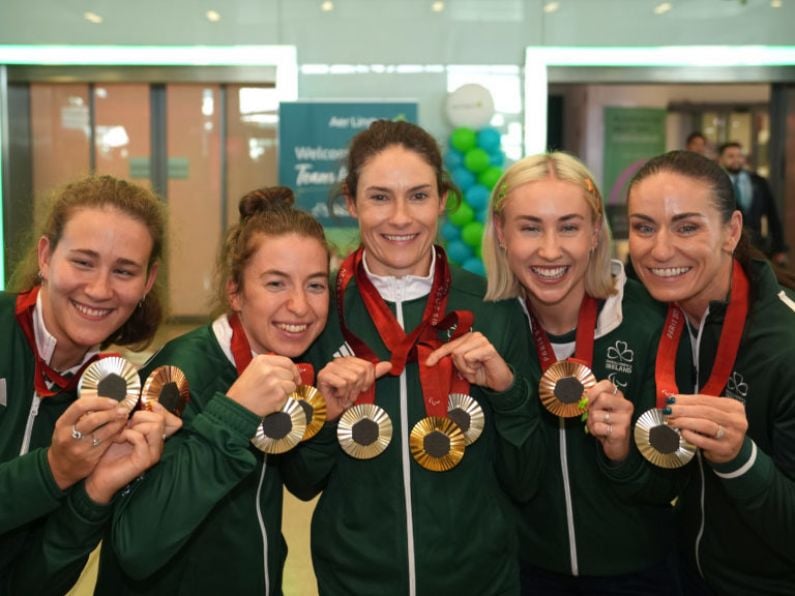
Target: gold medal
282, 430
659, 443
437, 444
467, 414
314, 405
111, 377
167, 385
562, 387
364, 431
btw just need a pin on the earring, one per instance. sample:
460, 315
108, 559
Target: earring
141, 301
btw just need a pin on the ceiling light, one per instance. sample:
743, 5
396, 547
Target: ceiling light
327, 6
213, 16
662, 8
775, 3
92, 17
437, 6
551, 7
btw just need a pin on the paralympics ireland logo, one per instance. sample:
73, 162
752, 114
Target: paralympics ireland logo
620, 357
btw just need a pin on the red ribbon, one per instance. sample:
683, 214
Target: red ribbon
241, 352
729, 344
437, 382
583, 340
43, 372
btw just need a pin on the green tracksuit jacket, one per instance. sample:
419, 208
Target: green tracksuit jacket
743, 539
388, 526
207, 518
45, 533
591, 517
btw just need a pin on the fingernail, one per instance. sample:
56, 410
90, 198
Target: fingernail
670, 399
666, 411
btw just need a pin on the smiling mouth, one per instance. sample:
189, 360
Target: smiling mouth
400, 237
94, 313
668, 271
550, 273
293, 327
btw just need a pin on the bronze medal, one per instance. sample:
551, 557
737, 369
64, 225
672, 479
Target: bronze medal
364, 431
168, 386
562, 387
659, 443
111, 377
314, 405
467, 414
437, 444
282, 430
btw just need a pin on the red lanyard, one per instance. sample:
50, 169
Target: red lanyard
241, 352
43, 372
583, 341
403, 347
729, 344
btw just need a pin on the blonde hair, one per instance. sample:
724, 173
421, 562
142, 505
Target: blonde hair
502, 283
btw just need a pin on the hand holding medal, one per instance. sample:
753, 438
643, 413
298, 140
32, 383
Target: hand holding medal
716, 426
477, 360
343, 379
609, 419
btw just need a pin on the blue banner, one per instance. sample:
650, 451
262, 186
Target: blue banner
313, 144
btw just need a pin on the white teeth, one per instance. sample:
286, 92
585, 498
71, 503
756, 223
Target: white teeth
550, 272
290, 328
669, 271
91, 312
401, 238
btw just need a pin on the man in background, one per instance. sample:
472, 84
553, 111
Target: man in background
697, 143
755, 200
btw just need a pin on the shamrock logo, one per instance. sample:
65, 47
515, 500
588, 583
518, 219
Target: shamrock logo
620, 352
737, 384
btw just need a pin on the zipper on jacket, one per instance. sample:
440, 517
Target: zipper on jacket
34, 411
262, 525
405, 458
564, 465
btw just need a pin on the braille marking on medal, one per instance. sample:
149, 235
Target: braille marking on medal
169, 396
663, 438
365, 432
112, 386
461, 418
436, 444
277, 425
569, 390
308, 409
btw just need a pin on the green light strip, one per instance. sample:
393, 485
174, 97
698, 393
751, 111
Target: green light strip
2, 225
539, 58
282, 57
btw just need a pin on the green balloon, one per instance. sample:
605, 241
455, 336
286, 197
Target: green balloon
490, 176
479, 250
463, 139
476, 160
472, 233
461, 216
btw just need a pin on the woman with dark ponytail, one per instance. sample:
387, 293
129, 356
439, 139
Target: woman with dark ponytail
208, 520
731, 385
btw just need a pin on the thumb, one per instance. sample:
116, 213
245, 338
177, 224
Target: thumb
381, 368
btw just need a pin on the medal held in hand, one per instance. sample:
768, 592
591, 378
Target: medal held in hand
311, 400
168, 386
112, 377
364, 430
281, 431
659, 443
564, 382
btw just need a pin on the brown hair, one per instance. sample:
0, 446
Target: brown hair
386, 133
265, 211
107, 192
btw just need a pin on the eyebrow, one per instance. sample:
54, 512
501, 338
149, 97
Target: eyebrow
677, 217
568, 217
385, 189
279, 273
95, 255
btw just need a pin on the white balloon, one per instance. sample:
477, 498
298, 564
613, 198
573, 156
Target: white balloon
470, 105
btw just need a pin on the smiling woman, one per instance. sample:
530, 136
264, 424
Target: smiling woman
88, 283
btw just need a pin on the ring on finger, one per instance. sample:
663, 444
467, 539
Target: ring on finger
76, 434
720, 433
607, 417
615, 389
95, 441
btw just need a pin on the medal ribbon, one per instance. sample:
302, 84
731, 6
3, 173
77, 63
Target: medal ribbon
405, 347
241, 352
583, 340
730, 335
43, 372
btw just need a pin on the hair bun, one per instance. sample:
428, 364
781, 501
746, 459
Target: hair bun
268, 198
